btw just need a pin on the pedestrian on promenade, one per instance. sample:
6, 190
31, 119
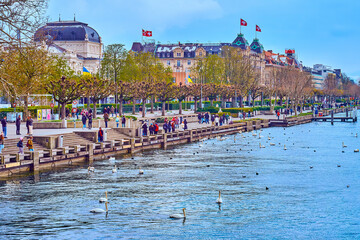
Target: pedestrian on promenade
100, 135
244, 115
202, 118
227, 118
106, 118
112, 110
169, 126
30, 123
207, 118
185, 124
2, 141
20, 145
221, 120
291, 111
156, 128
177, 122
123, 121
117, 120
212, 120
165, 127
4, 127
90, 120
145, 128
278, 115
30, 144
217, 120
182, 126
173, 126
83, 119
151, 129
18, 123
199, 118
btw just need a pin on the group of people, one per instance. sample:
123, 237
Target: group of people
153, 128
169, 125
216, 120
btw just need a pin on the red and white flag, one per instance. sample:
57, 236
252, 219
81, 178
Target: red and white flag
258, 29
146, 33
243, 22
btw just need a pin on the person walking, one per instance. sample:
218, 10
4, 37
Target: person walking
18, 123
4, 127
117, 120
112, 109
212, 120
2, 141
151, 129
100, 135
173, 126
123, 121
90, 120
165, 127
182, 126
83, 119
30, 144
217, 120
278, 115
207, 118
106, 118
20, 145
145, 128
185, 124
30, 125
156, 128
199, 118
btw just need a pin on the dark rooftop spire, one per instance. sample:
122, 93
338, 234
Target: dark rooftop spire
74, 17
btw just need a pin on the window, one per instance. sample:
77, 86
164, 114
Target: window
178, 54
168, 62
177, 70
168, 54
189, 62
178, 63
200, 54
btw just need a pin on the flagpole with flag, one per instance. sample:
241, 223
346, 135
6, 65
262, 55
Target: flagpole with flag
257, 29
242, 23
86, 72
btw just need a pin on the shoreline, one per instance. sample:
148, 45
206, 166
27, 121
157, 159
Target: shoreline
86, 154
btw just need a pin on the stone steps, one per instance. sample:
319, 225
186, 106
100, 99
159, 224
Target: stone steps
11, 148
115, 135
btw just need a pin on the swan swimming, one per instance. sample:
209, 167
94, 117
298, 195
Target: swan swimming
141, 171
91, 169
114, 170
105, 199
285, 147
111, 158
179, 216
100, 210
219, 200
343, 145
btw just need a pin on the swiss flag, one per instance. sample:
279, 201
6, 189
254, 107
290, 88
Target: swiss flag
258, 29
146, 33
243, 22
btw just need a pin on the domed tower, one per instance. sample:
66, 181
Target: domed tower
256, 46
73, 36
240, 42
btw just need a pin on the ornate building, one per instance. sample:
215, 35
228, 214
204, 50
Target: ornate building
181, 57
75, 41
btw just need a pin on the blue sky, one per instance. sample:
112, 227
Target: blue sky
320, 31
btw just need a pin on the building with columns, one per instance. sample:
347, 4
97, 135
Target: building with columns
75, 41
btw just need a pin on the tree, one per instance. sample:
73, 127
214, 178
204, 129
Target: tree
165, 91
182, 92
112, 67
19, 19
330, 85
23, 71
195, 90
97, 89
63, 84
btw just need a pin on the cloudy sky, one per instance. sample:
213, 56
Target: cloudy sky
320, 31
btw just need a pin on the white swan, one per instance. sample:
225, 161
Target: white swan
105, 199
91, 169
269, 138
179, 216
100, 210
343, 145
219, 200
111, 158
285, 147
261, 146
141, 171
114, 170
356, 150
272, 144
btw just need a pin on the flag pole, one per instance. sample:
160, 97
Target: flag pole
240, 25
255, 32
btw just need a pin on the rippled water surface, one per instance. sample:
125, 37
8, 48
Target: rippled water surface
300, 203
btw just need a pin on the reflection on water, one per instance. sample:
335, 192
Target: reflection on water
266, 192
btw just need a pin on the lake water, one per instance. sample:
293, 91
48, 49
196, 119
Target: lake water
300, 203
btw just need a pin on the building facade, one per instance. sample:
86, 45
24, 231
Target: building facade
75, 41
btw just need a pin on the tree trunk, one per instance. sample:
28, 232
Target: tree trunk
211, 102
180, 107
223, 104
143, 107
241, 101
26, 103
94, 109
134, 107
195, 105
63, 111
120, 107
152, 104
234, 100
163, 108
88, 102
